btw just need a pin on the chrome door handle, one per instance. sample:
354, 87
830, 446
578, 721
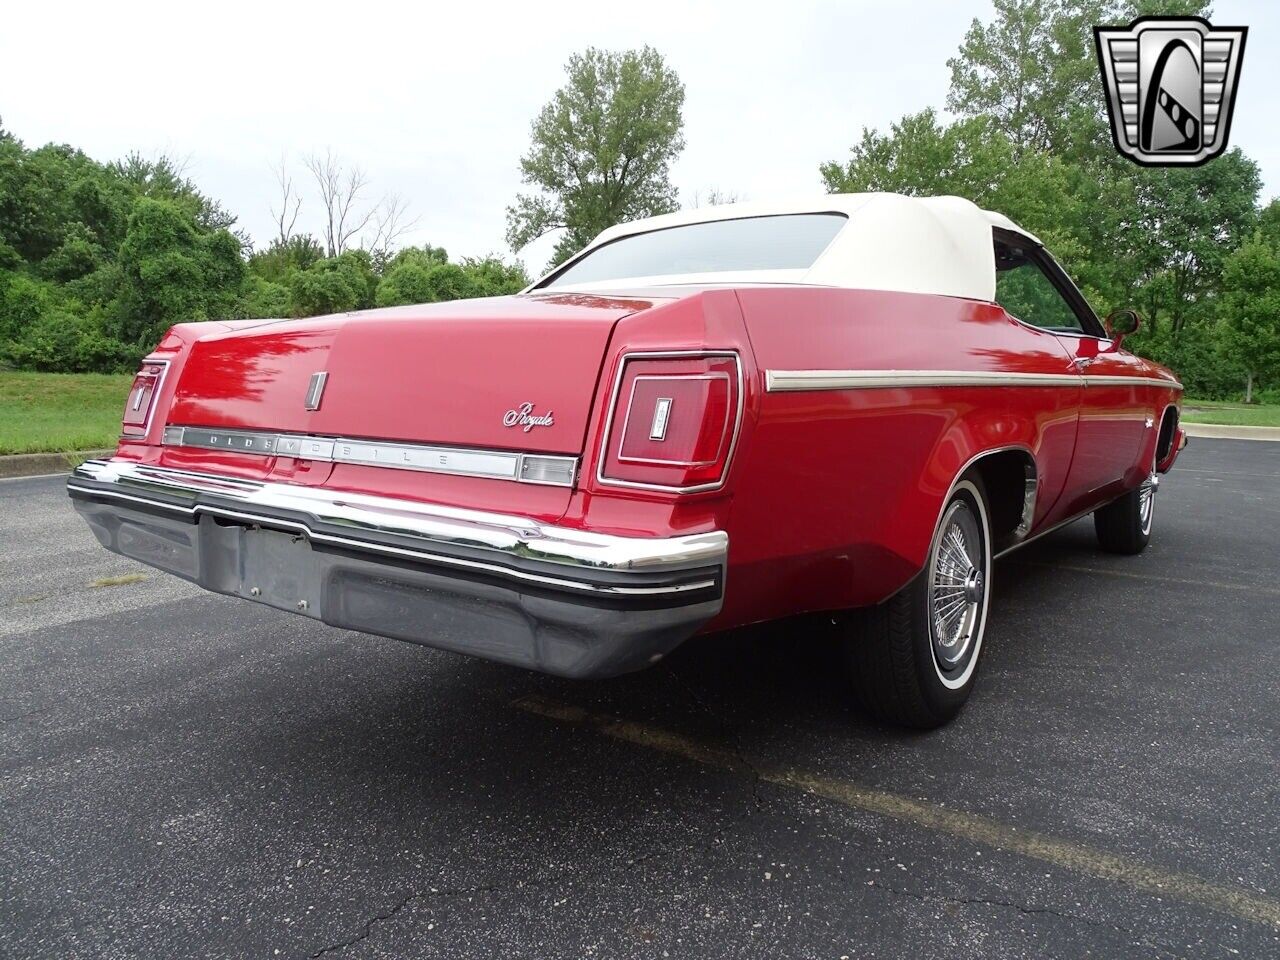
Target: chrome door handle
1083, 362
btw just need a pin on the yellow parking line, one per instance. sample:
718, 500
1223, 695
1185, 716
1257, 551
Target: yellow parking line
1229, 473
1100, 864
1076, 568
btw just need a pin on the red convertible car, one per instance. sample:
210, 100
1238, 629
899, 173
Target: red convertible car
703, 420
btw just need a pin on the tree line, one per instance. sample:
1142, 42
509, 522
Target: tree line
1191, 249
97, 259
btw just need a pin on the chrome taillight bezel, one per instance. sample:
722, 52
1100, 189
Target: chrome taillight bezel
133, 431
602, 452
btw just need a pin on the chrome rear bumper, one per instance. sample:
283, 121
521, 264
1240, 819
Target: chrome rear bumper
505, 587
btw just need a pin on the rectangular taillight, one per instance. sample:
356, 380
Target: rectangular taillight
142, 395
674, 421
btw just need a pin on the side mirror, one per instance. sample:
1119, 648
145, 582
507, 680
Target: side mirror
1122, 323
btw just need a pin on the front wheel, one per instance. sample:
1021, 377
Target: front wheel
1124, 525
912, 659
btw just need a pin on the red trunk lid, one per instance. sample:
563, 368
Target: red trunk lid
441, 374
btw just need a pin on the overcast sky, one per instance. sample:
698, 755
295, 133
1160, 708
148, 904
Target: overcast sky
434, 101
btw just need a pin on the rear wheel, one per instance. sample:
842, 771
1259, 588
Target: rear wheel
1124, 525
913, 658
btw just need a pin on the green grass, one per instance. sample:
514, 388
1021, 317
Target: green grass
1231, 414
60, 412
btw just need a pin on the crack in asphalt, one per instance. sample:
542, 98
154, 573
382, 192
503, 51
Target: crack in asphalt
739, 754
366, 930
1028, 910
30, 713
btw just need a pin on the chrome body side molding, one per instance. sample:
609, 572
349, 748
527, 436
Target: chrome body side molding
785, 381
461, 461
1121, 381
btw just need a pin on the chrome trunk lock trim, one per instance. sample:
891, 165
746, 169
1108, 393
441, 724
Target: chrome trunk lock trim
315, 390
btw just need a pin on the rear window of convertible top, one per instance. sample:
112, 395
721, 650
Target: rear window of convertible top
786, 242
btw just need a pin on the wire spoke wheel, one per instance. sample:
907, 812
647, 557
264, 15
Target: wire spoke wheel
913, 657
957, 588
1147, 501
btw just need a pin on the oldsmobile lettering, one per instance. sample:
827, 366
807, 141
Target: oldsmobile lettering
524, 417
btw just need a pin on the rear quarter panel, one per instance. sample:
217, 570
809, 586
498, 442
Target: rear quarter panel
839, 490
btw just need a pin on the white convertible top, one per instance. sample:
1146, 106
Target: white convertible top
936, 245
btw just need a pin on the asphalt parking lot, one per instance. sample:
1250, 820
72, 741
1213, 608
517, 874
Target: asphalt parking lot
188, 775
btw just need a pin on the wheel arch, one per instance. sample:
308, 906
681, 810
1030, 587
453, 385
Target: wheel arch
1010, 479
1167, 442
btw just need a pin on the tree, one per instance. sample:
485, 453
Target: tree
426, 276
1269, 222
279, 260
23, 301
290, 203
49, 192
164, 178
1155, 237
390, 222
714, 197
333, 285
422, 282
491, 277
1251, 311
425, 254
263, 298
1032, 141
341, 190
172, 272
602, 149
1181, 224
920, 156
1031, 70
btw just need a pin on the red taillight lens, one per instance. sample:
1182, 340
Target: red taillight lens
674, 422
137, 408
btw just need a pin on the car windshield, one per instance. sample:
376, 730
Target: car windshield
789, 242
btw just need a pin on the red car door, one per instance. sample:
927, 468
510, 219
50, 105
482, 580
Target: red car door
1113, 419
1034, 289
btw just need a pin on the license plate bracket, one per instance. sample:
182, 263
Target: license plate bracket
280, 570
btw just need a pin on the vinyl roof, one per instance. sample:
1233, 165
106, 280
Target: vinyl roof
935, 245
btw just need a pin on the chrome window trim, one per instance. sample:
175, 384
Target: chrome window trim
784, 381
155, 399
602, 452
452, 461
435, 528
